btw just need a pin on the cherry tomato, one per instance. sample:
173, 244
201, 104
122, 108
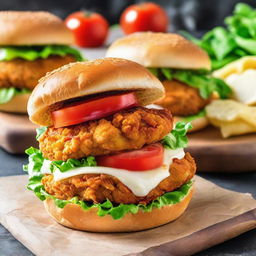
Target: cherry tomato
92, 109
144, 17
144, 159
89, 29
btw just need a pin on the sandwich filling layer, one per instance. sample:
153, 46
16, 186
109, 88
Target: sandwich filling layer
189, 91
22, 66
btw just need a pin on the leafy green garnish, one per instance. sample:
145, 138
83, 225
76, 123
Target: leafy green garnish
167, 72
36, 161
242, 22
177, 137
31, 53
40, 131
64, 166
201, 80
6, 94
225, 45
201, 113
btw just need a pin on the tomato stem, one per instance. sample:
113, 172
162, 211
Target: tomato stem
86, 13
142, 5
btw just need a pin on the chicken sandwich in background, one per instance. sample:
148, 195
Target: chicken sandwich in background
106, 163
31, 44
183, 69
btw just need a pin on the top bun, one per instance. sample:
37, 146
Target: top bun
86, 78
160, 50
32, 28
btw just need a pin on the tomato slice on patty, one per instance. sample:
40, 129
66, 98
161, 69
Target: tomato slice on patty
92, 109
143, 159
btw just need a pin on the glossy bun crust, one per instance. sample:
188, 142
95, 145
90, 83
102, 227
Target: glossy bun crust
87, 78
32, 28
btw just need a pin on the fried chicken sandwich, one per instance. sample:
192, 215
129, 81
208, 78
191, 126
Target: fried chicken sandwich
183, 69
106, 163
31, 44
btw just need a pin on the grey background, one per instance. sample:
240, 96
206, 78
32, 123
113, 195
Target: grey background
193, 15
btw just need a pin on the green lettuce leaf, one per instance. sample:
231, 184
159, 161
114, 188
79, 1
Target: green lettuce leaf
40, 131
248, 45
36, 161
154, 71
31, 53
201, 80
64, 166
201, 113
225, 45
220, 45
177, 137
167, 72
6, 94
243, 21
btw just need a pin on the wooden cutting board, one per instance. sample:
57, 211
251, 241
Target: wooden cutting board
17, 133
215, 154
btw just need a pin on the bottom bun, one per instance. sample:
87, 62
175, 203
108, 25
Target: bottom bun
18, 104
73, 216
197, 124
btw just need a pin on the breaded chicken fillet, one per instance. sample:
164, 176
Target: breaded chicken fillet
99, 187
125, 130
181, 99
20, 73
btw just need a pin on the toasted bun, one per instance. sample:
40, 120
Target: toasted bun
197, 124
87, 78
73, 216
17, 104
160, 50
32, 28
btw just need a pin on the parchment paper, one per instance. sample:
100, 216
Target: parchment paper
24, 216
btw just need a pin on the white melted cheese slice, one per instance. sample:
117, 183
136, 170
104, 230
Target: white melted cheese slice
139, 182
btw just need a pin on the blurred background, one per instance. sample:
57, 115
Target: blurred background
191, 15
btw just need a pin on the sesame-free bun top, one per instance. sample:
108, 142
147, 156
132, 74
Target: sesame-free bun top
32, 28
160, 50
81, 79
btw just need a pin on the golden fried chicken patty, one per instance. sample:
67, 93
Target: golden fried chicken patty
126, 130
22, 73
181, 99
97, 188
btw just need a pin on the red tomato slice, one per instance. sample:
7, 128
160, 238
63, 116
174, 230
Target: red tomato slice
144, 159
92, 109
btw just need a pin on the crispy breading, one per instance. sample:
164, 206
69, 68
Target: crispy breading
99, 187
22, 73
125, 130
181, 99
